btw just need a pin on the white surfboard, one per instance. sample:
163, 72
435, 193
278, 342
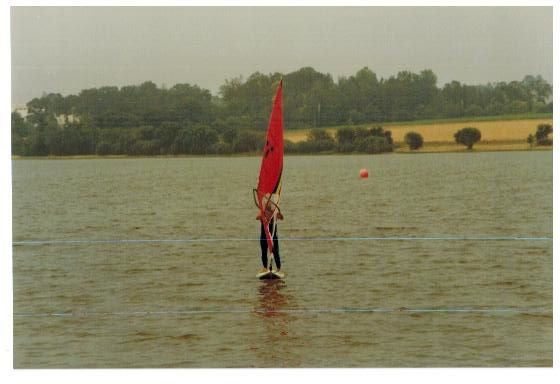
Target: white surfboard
273, 274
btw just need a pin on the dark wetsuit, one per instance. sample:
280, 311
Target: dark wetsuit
275, 247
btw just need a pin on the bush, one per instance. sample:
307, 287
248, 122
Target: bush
345, 135
373, 144
318, 140
367, 140
467, 136
414, 140
315, 146
290, 147
317, 134
346, 148
530, 140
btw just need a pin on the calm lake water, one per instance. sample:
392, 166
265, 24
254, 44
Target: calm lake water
472, 288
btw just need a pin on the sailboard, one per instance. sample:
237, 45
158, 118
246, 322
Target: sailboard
269, 187
270, 275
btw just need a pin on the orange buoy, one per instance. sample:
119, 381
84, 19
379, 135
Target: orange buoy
364, 173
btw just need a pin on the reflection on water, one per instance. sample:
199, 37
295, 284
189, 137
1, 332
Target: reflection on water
275, 325
271, 299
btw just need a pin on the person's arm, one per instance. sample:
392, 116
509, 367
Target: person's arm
280, 216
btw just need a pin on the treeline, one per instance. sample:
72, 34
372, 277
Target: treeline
186, 119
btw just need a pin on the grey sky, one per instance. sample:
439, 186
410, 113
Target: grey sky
67, 49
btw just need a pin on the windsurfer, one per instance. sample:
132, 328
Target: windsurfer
273, 228
267, 193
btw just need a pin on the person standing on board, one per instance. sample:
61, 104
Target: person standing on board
274, 232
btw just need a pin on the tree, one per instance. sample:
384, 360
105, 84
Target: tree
467, 136
146, 119
543, 130
389, 137
248, 141
414, 140
202, 139
165, 135
360, 97
251, 99
230, 135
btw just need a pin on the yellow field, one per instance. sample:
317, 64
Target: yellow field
501, 130
438, 137
300, 135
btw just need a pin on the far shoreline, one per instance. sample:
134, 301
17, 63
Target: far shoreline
499, 134
428, 148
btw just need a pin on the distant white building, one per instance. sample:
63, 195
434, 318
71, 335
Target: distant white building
61, 119
21, 109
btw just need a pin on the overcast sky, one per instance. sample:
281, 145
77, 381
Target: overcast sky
67, 49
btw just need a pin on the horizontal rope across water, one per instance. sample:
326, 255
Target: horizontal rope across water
335, 238
190, 312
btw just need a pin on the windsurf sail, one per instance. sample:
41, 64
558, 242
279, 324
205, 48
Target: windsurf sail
267, 193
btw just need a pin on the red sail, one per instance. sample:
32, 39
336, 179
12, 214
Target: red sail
273, 152
270, 177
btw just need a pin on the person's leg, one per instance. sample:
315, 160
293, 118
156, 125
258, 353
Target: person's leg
276, 248
264, 248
